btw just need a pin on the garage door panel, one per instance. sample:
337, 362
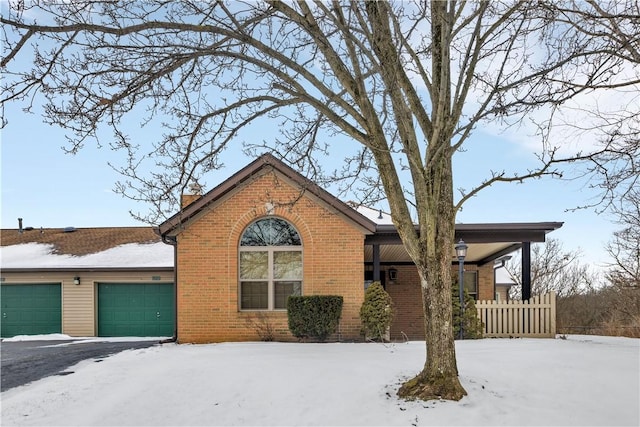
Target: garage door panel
45, 316
135, 316
132, 309
31, 309
151, 300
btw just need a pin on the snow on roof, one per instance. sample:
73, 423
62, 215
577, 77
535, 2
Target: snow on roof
375, 215
503, 277
129, 255
79, 241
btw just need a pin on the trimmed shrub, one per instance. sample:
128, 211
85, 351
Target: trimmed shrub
314, 316
376, 312
472, 325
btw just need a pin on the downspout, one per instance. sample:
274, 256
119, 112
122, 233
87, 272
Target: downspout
171, 240
494, 280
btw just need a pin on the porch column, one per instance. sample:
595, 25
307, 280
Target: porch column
376, 263
526, 270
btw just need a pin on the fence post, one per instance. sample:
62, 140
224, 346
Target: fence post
552, 297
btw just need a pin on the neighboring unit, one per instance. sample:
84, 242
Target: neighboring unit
86, 282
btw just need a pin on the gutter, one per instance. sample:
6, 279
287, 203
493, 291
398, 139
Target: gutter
169, 240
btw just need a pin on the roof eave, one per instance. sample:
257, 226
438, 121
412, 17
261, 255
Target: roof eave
266, 160
478, 233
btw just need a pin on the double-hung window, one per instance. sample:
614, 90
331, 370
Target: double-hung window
470, 281
270, 264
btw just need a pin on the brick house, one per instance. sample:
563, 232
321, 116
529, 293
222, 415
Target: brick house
229, 257
267, 232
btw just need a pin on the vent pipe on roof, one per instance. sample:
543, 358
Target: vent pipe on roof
20, 225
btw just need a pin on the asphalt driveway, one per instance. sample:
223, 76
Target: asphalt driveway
25, 361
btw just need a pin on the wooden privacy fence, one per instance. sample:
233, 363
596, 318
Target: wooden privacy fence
535, 317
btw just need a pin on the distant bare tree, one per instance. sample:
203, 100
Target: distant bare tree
553, 269
624, 248
580, 309
400, 85
623, 292
587, 302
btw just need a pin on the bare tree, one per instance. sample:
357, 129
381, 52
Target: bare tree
624, 275
624, 248
614, 163
554, 269
589, 302
402, 84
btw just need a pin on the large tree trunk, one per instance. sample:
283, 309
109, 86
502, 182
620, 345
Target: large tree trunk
439, 377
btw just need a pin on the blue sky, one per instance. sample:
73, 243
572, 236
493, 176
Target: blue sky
48, 188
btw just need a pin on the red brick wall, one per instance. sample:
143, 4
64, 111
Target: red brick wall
407, 298
207, 264
486, 290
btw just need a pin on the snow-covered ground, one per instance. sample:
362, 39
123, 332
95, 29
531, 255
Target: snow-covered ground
579, 381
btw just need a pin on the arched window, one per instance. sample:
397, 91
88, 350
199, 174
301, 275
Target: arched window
270, 264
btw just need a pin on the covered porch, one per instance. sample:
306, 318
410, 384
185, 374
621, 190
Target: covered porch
387, 261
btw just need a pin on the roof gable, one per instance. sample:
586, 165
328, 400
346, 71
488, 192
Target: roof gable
251, 170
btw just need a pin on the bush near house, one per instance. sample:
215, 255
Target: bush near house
376, 312
314, 316
472, 326
261, 324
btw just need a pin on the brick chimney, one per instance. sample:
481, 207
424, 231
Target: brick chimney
195, 193
187, 199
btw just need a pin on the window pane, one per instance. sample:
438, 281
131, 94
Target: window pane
253, 295
470, 282
283, 290
283, 234
254, 265
287, 265
270, 232
255, 234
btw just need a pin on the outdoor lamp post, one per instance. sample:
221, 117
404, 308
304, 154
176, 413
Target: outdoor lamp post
461, 253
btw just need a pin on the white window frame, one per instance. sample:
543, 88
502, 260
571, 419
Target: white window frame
271, 281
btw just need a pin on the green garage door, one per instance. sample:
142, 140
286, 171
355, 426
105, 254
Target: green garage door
31, 309
135, 309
